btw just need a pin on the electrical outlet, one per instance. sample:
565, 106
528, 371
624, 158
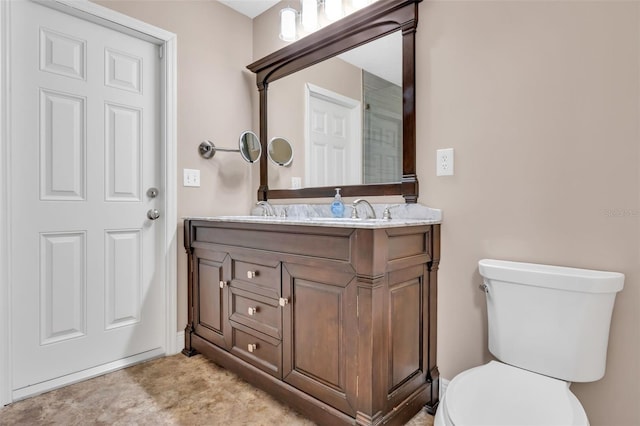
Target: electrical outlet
296, 182
444, 162
191, 177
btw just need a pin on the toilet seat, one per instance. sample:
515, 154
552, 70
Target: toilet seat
499, 394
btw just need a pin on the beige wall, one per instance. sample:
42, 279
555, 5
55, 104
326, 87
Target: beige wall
540, 101
214, 102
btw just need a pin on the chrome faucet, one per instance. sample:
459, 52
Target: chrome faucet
354, 209
266, 208
386, 214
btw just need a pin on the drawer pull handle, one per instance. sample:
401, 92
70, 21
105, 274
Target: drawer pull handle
252, 311
251, 274
222, 284
283, 301
251, 347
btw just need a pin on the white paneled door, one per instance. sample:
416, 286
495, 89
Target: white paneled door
85, 286
333, 139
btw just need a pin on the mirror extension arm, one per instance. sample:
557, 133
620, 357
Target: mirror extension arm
208, 149
249, 148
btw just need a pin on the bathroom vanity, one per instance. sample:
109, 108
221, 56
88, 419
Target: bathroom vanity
336, 318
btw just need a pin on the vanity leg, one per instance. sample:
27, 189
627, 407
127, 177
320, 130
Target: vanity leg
434, 379
188, 349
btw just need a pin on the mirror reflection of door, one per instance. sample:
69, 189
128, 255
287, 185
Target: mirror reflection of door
333, 139
382, 130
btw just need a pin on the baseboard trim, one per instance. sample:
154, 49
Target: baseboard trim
179, 342
89, 373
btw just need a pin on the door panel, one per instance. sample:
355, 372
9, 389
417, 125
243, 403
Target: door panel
407, 308
316, 352
123, 147
405, 332
62, 146
210, 297
62, 286
123, 278
85, 117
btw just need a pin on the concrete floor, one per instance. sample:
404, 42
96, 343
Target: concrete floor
175, 390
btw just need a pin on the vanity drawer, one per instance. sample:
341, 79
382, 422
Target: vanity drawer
258, 312
263, 274
257, 349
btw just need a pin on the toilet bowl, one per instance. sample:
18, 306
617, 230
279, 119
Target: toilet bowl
497, 394
547, 326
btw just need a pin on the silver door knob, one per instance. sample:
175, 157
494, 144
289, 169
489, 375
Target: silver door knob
152, 192
153, 214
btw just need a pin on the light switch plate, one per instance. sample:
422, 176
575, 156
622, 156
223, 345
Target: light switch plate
444, 162
191, 177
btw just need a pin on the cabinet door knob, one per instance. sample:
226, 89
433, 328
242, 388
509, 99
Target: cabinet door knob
222, 284
283, 301
251, 274
252, 311
251, 347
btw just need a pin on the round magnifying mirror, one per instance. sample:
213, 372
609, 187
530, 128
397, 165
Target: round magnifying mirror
280, 151
250, 147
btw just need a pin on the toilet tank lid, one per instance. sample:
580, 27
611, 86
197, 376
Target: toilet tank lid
558, 277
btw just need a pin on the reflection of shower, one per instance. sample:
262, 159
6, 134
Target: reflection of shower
382, 135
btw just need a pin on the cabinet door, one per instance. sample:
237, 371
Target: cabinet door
319, 333
407, 325
210, 280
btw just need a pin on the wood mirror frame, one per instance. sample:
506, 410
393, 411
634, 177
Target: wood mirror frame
374, 21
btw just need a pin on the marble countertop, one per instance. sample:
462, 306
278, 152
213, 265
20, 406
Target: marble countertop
315, 215
321, 221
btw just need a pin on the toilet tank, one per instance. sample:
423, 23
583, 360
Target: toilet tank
551, 320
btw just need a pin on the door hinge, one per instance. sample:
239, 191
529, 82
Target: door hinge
357, 384
160, 51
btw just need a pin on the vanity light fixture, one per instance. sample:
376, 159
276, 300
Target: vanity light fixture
309, 19
333, 9
288, 17
309, 15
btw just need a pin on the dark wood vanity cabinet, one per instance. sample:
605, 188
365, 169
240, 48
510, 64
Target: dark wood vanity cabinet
339, 323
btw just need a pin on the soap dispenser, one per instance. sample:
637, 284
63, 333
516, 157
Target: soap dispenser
337, 206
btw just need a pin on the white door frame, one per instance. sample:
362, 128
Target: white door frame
355, 116
168, 154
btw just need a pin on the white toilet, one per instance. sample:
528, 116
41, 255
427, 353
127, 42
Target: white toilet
548, 326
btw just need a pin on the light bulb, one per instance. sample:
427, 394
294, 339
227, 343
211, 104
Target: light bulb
359, 4
288, 24
309, 15
333, 9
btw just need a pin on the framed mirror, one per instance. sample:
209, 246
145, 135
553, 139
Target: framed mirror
380, 21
